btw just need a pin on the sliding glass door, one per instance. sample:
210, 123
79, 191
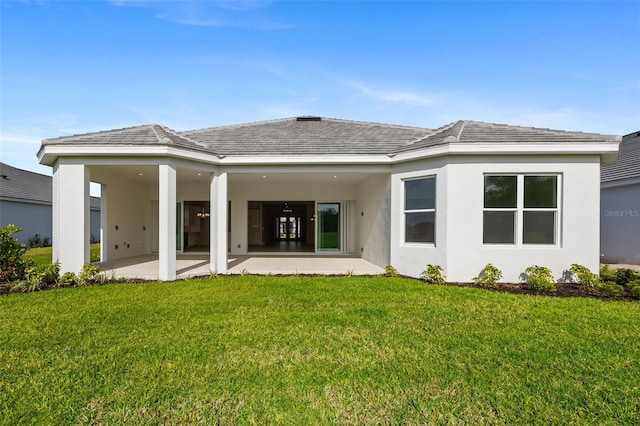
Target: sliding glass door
329, 226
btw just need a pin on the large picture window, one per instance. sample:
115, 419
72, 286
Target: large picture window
520, 209
420, 210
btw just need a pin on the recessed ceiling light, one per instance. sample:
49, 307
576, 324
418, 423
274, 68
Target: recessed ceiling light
199, 174
263, 177
335, 176
140, 174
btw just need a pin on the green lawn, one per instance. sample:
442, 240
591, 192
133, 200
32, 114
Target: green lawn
42, 255
315, 350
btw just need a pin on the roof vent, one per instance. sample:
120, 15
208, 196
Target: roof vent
308, 118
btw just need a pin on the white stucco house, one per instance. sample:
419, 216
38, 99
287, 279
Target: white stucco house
25, 201
460, 196
620, 205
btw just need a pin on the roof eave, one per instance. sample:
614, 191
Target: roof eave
49, 154
608, 151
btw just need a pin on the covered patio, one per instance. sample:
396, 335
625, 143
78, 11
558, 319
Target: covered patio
189, 266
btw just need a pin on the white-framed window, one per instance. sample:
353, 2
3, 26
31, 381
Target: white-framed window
420, 210
521, 209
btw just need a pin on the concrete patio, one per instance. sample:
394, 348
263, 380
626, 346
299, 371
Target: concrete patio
197, 265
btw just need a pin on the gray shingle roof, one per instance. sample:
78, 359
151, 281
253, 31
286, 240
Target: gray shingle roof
320, 136
147, 134
628, 163
306, 136
18, 184
465, 131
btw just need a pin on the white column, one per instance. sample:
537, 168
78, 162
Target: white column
104, 234
71, 214
167, 222
218, 229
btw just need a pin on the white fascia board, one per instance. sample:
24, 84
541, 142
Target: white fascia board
500, 148
362, 159
49, 153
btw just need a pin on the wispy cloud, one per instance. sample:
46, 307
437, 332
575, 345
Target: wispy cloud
9, 140
389, 96
238, 13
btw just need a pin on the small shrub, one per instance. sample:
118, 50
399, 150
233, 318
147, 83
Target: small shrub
607, 274
391, 272
624, 276
88, 274
35, 241
68, 278
634, 288
540, 278
610, 289
433, 274
38, 278
22, 286
489, 276
46, 242
584, 276
12, 262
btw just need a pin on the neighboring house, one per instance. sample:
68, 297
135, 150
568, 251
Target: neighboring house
25, 201
620, 205
459, 196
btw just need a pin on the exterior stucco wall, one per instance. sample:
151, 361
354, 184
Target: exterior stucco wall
373, 219
128, 210
620, 223
30, 217
459, 212
241, 192
578, 238
411, 258
35, 218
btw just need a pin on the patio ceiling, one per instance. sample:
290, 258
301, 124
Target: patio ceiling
347, 178
148, 174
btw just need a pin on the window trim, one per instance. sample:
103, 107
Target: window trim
520, 209
405, 211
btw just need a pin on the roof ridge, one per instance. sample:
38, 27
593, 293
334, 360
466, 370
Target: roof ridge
160, 133
464, 123
234, 126
140, 126
323, 118
167, 131
401, 126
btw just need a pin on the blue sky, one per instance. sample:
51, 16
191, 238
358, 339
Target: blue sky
75, 67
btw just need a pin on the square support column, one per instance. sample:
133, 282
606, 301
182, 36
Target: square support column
218, 230
71, 216
104, 218
167, 222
